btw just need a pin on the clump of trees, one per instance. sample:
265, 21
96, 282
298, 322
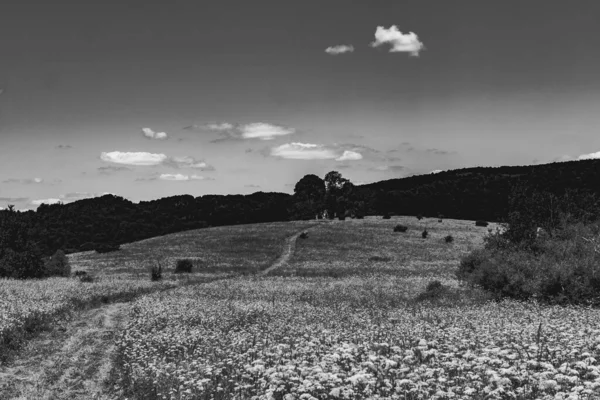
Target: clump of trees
560, 266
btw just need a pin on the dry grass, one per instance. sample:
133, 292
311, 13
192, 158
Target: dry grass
225, 249
370, 246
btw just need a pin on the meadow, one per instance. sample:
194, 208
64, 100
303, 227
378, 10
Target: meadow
356, 326
30, 306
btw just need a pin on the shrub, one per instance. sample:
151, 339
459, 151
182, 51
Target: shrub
481, 223
561, 269
380, 258
424, 234
386, 216
440, 220
184, 266
449, 239
434, 290
80, 273
106, 247
86, 278
58, 265
304, 235
400, 228
156, 273
419, 217
342, 217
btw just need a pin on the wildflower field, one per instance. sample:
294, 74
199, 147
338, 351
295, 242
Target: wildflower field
362, 334
29, 306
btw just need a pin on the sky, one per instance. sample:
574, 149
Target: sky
152, 99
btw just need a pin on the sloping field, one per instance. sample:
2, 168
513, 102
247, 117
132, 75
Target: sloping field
371, 246
237, 249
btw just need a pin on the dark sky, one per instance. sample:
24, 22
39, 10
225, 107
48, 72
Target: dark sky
497, 83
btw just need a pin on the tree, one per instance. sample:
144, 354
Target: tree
338, 194
309, 194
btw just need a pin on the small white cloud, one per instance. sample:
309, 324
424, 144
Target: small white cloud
339, 49
303, 151
264, 131
591, 156
255, 130
150, 134
180, 177
25, 181
399, 41
45, 201
133, 158
349, 156
436, 171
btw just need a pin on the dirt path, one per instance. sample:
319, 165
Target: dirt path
69, 362
288, 250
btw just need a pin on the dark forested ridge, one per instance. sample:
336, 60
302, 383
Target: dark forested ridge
480, 192
470, 193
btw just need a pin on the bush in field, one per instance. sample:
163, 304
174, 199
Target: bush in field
559, 269
424, 234
419, 217
481, 223
184, 266
440, 220
86, 278
57, 265
386, 216
79, 273
156, 273
434, 290
449, 239
304, 235
400, 228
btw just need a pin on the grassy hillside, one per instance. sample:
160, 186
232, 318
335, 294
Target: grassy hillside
374, 329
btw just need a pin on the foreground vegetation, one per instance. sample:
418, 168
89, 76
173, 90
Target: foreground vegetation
353, 338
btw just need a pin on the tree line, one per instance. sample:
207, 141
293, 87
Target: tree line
103, 223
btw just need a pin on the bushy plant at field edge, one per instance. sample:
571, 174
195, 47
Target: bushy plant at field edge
424, 234
400, 228
558, 269
481, 223
386, 216
57, 265
86, 278
106, 247
184, 266
449, 239
156, 273
304, 235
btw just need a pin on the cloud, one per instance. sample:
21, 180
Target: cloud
112, 168
436, 171
440, 152
25, 181
590, 156
13, 199
303, 151
309, 151
255, 130
68, 198
187, 162
349, 156
64, 146
133, 158
339, 49
398, 41
252, 186
150, 134
180, 177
